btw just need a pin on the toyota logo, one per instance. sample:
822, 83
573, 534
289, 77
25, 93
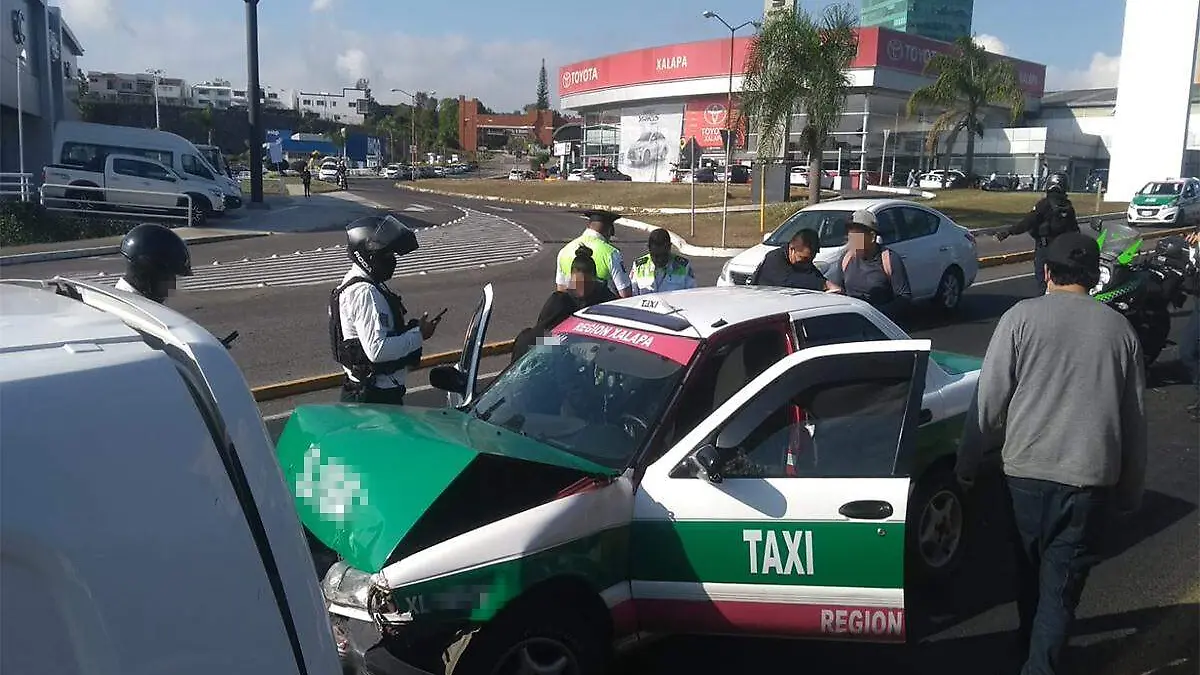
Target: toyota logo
895, 50
566, 80
714, 114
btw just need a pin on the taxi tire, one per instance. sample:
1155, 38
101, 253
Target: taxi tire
938, 480
480, 651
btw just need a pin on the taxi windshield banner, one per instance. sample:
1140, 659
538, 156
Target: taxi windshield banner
677, 349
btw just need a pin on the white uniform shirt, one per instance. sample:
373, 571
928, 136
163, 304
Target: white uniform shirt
365, 315
620, 276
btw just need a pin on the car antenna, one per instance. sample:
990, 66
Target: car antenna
719, 322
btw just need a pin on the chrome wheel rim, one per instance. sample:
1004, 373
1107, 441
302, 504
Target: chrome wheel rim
939, 533
538, 656
951, 291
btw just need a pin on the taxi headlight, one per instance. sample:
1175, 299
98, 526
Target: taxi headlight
725, 269
1105, 275
346, 586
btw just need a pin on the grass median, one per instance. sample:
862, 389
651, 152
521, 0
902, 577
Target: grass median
609, 193
974, 209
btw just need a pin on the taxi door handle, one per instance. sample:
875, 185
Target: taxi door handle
925, 417
867, 509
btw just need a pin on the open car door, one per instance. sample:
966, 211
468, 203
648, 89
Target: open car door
466, 375
783, 513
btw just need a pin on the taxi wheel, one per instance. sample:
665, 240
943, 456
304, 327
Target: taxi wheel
937, 527
542, 637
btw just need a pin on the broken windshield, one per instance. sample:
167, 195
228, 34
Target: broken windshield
593, 395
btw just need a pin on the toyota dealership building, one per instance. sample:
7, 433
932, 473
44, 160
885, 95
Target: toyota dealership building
638, 106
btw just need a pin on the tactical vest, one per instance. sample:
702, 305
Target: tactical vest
645, 271
602, 253
1059, 219
350, 353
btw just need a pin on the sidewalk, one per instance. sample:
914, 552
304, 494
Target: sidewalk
285, 215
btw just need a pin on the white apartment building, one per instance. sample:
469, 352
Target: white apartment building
137, 88
213, 93
338, 107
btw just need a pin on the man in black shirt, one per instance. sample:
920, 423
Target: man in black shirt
792, 265
1051, 217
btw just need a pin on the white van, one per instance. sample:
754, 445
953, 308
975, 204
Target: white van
144, 519
84, 144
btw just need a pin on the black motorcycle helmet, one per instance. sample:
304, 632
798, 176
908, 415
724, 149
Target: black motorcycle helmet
374, 242
1056, 182
1172, 251
155, 256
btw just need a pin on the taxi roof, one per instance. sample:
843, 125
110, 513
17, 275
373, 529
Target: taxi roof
703, 312
33, 317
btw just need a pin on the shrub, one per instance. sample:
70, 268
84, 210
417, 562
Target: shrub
31, 223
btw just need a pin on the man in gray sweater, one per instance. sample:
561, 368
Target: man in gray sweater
1062, 384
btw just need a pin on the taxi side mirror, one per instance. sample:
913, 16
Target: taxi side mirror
707, 463
449, 379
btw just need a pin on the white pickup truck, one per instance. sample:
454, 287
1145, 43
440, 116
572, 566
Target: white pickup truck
130, 183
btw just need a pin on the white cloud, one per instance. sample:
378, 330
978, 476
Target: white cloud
991, 43
501, 74
321, 5
89, 14
353, 64
1100, 73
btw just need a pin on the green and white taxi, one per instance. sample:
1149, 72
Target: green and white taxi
747, 461
1174, 201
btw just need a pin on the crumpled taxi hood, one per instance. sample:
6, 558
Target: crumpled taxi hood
363, 477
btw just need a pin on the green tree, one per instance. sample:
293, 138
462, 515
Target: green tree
543, 89
447, 135
968, 81
517, 144
798, 60
83, 98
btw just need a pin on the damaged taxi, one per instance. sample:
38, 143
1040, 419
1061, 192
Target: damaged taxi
746, 461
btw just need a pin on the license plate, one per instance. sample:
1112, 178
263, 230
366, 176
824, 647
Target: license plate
1147, 212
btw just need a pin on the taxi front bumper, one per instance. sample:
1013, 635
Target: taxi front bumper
361, 649
1152, 214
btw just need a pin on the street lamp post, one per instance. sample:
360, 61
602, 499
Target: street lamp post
157, 73
256, 133
728, 118
412, 141
21, 58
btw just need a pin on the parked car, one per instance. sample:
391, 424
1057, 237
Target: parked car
609, 173
128, 182
581, 174
649, 148
798, 175
1176, 200
740, 174
328, 171
391, 171
939, 254
700, 175
517, 174
1097, 181
933, 180
162, 472
674, 463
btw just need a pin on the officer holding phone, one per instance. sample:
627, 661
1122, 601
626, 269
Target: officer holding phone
368, 330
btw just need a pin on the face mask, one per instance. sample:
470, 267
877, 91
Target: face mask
385, 267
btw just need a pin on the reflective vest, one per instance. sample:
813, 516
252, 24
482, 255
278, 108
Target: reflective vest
602, 253
675, 275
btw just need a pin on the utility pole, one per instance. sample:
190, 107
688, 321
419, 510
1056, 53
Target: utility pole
728, 118
157, 73
256, 133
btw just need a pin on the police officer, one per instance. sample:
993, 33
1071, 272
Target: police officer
1051, 217
610, 268
154, 257
659, 270
370, 337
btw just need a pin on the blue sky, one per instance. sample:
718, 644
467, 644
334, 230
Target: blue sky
492, 48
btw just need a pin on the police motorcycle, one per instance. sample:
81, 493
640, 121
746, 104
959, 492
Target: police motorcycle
1143, 286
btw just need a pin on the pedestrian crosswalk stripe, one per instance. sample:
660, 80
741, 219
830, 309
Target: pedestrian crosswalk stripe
474, 241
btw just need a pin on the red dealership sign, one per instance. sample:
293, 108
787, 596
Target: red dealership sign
704, 120
877, 48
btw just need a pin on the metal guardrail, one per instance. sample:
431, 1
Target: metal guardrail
18, 185
71, 200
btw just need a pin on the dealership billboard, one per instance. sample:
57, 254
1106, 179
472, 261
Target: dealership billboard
877, 48
704, 120
650, 142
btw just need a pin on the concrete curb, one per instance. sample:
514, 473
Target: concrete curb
307, 385
72, 253
681, 244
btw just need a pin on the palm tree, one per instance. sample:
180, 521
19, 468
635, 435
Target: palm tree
968, 80
800, 61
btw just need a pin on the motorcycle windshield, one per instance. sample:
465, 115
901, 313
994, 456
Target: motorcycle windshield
1119, 242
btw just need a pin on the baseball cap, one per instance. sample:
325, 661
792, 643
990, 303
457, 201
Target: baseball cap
864, 219
1075, 250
